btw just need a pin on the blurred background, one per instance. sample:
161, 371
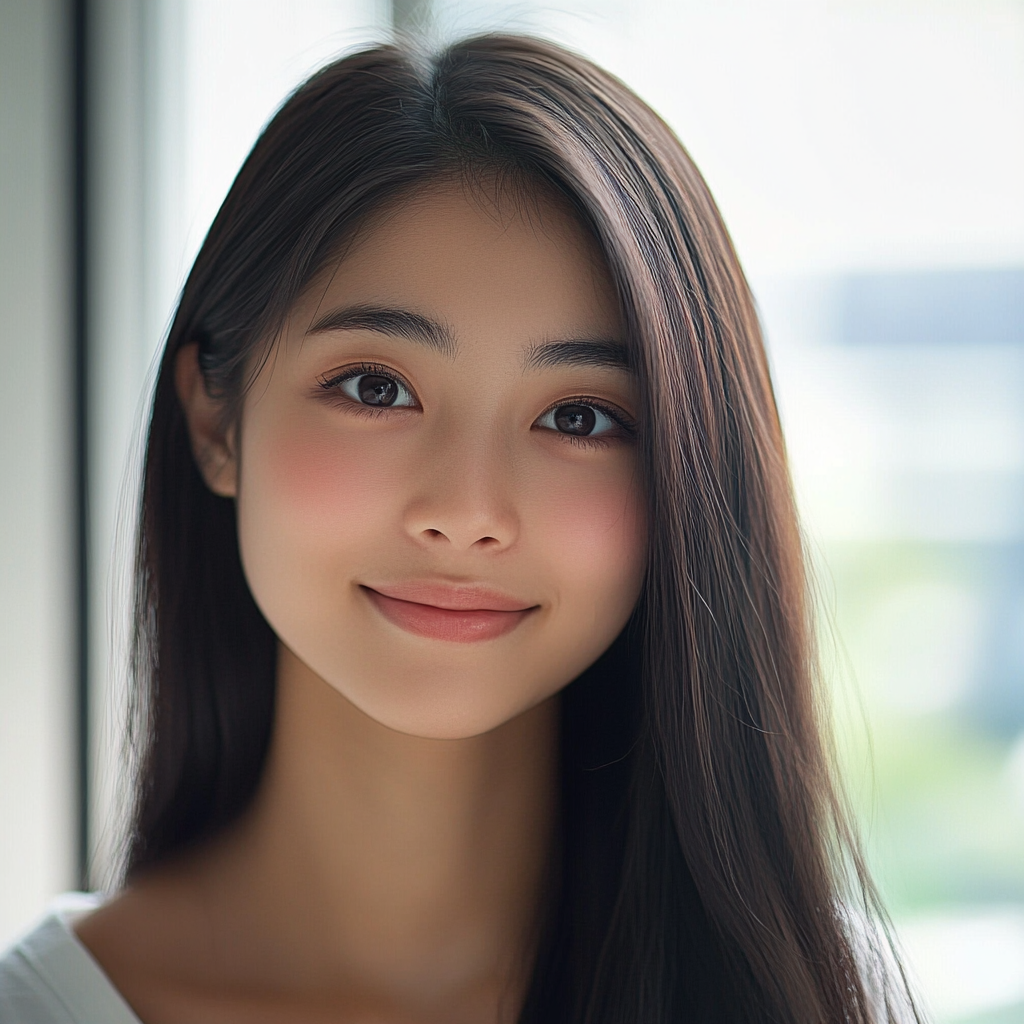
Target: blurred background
868, 156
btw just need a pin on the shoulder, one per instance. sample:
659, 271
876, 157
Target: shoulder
48, 977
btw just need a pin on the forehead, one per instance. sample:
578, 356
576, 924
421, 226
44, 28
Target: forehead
476, 260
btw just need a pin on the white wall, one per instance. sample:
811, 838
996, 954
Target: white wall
121, 99
36, 366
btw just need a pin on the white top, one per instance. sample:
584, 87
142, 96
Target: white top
49, 977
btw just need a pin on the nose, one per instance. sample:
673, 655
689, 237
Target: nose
463, 495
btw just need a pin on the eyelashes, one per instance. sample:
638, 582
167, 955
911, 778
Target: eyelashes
372, 386
371, 389
587, 421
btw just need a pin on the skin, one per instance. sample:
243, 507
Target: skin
393, 864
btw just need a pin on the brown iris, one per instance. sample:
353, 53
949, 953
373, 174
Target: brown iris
575, 419
375, 389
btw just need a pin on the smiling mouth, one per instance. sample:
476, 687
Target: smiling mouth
459, 616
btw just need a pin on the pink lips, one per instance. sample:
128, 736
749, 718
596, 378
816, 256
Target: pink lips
459, 614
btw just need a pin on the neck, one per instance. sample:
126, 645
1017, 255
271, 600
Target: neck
395, 862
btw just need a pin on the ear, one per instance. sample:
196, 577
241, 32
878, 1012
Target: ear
213, 447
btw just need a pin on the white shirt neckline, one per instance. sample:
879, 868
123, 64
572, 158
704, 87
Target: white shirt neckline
57, 966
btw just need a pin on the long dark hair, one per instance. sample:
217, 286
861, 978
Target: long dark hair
705, 871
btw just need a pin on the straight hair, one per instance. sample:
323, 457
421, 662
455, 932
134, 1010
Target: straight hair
706, 870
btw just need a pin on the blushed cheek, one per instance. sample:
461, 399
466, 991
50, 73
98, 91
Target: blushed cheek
308, 483
594, 529
309, 498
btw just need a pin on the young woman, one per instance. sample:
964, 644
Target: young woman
473, 659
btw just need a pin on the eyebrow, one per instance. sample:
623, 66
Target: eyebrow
404, 323
398, 323
579, 352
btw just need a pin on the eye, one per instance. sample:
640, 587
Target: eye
372, 386
580, 419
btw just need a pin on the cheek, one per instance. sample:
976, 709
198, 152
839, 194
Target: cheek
592, 525
308, 484
312, 504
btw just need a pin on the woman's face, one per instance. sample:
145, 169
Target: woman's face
438, 503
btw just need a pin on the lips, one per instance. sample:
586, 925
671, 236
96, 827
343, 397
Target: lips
455, 614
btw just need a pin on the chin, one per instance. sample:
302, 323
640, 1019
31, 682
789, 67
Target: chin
436, 711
